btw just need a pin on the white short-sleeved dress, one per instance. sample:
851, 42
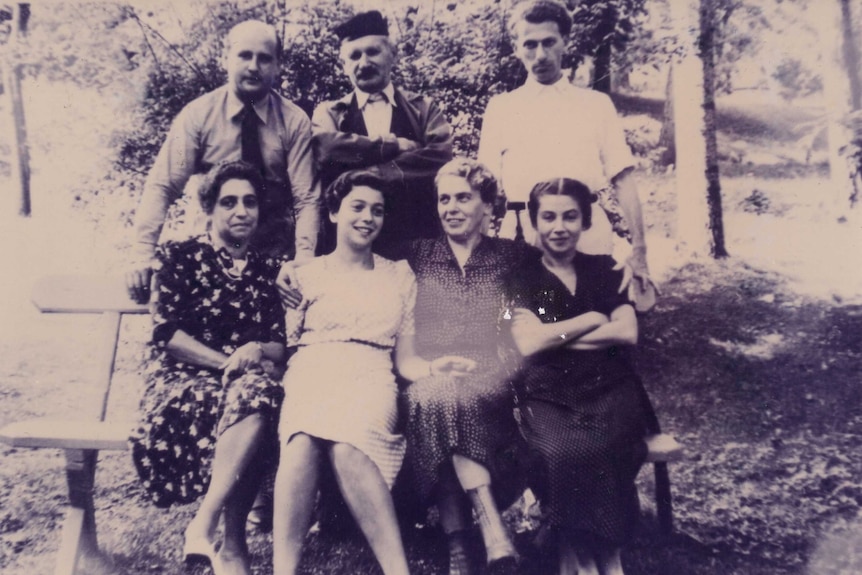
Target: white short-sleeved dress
340, 384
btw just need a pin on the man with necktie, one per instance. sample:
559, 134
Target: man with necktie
400, 137
244, 119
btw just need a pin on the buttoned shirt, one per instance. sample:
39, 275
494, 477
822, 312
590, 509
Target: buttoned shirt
207, 131
377, 112
538, 132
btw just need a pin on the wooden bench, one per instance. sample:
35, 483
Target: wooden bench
80, 439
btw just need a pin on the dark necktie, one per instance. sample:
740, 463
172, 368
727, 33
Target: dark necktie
250, 140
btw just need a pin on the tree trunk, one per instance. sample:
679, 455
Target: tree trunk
713, 190
687, 95
602, 68
836, 100
20, 160
851, 55
665, 139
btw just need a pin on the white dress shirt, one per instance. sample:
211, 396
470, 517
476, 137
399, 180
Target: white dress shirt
377, 112
538, 132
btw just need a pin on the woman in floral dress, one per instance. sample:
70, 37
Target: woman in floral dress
212, 391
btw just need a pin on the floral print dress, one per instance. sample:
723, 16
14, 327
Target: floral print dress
185, 407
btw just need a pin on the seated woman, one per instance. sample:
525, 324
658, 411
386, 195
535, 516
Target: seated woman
211, 402
581, 405
340, 390
460, 430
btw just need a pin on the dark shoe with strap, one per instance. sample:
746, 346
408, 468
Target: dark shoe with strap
503, 566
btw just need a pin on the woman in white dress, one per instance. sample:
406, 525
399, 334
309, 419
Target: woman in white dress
340, 404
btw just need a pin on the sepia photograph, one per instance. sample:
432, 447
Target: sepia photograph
456, 287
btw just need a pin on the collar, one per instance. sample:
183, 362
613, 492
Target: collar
560, 86
235, 106
388, 91
441, 251
221, 253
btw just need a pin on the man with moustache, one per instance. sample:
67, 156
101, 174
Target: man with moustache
399, 137
244, 119
549, 128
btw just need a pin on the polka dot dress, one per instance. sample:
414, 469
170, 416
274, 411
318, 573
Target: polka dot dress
583, 413
457, 314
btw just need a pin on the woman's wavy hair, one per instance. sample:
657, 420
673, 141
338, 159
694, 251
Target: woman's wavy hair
479, 177
574, 189
222, 172
344, 183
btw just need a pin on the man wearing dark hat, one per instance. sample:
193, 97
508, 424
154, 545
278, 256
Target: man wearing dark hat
401, 138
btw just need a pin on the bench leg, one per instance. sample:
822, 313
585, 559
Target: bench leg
79, 529
663, 501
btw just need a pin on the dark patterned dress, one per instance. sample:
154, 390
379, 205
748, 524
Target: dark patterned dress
457, 314
185, 407
584, 414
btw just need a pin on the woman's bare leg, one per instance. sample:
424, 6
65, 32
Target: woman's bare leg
611, 561
293, 505
234, 451
576, 560
370, 502
233, 554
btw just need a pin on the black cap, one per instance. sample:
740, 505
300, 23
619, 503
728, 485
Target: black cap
363, 24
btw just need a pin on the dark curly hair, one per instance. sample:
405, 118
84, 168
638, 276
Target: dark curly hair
223, 171
563, 187
342, 186
538, 11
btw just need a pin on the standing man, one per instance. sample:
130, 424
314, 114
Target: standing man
244, 119
549, 128
401, 138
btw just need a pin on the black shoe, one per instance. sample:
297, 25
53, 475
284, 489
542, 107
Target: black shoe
503, 566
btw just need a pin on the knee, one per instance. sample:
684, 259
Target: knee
298, 448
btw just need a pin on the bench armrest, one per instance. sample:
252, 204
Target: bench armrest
67, 434
663, 447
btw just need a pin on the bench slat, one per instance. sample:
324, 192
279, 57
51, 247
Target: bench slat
663, 447
84, 294
67, 434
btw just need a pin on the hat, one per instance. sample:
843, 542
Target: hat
363, 24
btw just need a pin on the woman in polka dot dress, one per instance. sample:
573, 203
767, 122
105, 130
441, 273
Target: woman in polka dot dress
582, 408
460, 430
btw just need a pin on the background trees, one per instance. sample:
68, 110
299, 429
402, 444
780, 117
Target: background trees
456, 51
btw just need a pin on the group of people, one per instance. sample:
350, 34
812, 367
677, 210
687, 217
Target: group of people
341, 335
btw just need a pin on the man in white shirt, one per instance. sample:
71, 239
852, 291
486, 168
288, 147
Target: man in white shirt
550, 128
401, 138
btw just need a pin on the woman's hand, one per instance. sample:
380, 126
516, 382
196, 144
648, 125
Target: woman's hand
246, 358
452, 365
286, 282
